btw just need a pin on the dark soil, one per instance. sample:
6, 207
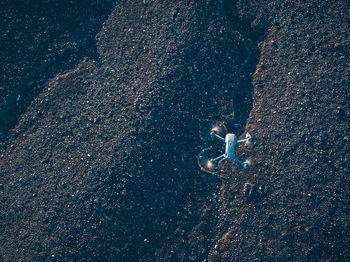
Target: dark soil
38, 40
101, 110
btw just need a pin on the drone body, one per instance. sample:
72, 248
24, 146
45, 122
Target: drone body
230, 145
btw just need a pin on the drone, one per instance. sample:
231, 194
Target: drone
215, 132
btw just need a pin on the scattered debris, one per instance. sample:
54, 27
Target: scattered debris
248, 189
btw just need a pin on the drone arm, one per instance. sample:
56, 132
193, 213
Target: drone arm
239, 162
217, 158
219, 137
248, 138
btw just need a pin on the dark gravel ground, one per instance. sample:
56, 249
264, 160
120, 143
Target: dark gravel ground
99, 163
39, 39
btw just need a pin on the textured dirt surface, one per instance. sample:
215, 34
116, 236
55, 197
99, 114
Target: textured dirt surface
99, 162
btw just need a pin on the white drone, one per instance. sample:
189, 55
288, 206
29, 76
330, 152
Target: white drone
208, 159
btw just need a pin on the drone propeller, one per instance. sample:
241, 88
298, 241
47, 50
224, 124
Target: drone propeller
209, 160
212, 131
248, 162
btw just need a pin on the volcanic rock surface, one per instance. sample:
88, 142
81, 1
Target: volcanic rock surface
101, 107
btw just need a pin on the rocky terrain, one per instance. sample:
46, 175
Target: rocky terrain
101, 109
